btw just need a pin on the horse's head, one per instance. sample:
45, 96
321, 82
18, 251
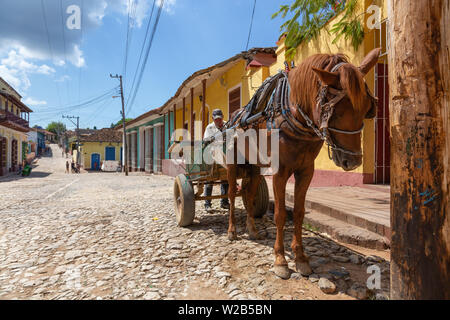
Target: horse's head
343, 102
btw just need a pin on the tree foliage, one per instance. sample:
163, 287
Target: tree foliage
56, 127
310, 16
120, 122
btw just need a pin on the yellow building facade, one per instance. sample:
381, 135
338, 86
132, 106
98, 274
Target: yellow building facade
326, 171
96, 147
232, 83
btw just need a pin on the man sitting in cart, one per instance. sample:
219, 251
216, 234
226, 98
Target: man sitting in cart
213, 128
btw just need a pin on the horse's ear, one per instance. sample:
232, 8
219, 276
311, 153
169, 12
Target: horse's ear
369, 61
328, 78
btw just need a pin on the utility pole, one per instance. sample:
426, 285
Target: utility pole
124, 136
419, 81
78, 134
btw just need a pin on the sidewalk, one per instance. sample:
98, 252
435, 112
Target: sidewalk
357, 215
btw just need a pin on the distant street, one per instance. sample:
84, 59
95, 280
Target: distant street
107, 236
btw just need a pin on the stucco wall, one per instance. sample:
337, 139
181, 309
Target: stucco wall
10, 135
323, 44
89, 148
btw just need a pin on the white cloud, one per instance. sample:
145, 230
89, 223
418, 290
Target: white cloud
16, 68
97, 11
77, 58
169, 5
63, 78
32, 102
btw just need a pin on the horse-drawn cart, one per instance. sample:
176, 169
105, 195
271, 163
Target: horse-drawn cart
189, 187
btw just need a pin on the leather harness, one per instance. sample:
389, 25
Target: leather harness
279, 105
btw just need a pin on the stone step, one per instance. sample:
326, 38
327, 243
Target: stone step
339, 230
359, 207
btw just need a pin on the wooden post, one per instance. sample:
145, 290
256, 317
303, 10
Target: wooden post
203, 106
174, 121
184, 115
420, 174
192, 115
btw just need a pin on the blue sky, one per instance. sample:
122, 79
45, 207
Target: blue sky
74, 66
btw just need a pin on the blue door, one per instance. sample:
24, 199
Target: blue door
95, 161
121, 155
110, 154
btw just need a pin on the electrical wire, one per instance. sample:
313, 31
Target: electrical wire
64, 43
131, 18
161, 5
86, 103
251, 25
49, 45
81, 41
140, 57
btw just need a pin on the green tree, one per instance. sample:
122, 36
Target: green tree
56, 127
120, 122
308, 17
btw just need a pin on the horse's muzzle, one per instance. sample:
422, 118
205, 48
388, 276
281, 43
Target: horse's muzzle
346, 161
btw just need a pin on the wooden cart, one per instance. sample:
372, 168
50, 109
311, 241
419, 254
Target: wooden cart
189, 187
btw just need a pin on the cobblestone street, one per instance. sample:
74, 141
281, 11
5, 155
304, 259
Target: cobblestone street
107, 236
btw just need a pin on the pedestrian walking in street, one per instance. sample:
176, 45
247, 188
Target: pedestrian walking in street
67, 166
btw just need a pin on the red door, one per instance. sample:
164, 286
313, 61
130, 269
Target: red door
382, 146
2, 155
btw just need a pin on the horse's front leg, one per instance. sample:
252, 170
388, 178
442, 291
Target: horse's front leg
279, 190
302, 181
251, 188
231, 176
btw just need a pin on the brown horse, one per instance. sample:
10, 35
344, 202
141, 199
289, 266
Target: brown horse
329, 100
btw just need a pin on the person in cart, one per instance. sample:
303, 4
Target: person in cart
213, 128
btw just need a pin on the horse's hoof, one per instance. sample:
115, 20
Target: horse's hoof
282, 272
232, 236
254, 236
303, 268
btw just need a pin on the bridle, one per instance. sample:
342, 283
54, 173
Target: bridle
327, 109
279, 102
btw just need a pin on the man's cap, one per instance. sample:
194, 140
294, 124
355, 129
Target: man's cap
217, 114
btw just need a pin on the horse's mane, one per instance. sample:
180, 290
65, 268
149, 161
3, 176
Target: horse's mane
305, 82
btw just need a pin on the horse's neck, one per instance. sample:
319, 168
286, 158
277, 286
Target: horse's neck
308, 109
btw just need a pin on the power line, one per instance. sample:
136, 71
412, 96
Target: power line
251, 25
81, 41
161, 5
64, 43
140, 55
86, 103
49, 45
131, 18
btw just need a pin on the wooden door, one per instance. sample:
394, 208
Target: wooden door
3, 154
234, 100
14, 151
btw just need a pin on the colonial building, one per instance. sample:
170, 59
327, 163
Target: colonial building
375, 137
97, 146
36, 138
14, 126
147, 141
230, 84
